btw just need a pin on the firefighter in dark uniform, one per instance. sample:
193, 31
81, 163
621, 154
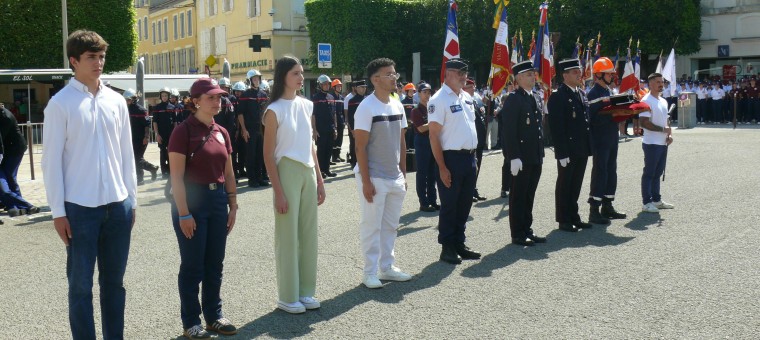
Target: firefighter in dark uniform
180, 114
604, 138
480, 128
523, 143
360, 87
409, 104
163, 115
340, 119
251, 103
568, 119
140, 126
324, 124
238, 145
753, 101
227, 117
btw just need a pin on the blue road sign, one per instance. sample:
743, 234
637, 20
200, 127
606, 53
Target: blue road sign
324, 55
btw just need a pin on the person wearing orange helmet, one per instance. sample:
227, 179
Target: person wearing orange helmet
409, 90
604, 136
340, 119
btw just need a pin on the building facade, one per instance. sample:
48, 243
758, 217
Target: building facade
167, 37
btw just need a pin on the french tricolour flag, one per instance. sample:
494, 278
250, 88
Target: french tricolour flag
451, 48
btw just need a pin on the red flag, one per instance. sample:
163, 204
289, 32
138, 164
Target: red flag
500, 62
451, 47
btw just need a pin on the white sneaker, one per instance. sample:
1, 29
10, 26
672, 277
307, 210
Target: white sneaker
292, 308
650, 208
394, 274
309, 302
663, 205
371, 281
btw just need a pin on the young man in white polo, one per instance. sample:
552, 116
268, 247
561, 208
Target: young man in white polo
655, 143
379, 126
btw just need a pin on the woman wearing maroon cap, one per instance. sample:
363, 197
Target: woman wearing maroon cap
203, 185
289, 154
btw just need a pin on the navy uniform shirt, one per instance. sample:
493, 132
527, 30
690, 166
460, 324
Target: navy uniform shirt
226, 116
353, 103
324, 111
339, 116
568, 122
164, 116
603, 128
522, 134
138, 120
250, 105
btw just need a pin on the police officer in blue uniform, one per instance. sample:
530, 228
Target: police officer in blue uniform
164, 115
568, 119
325, 123
604, 137
480, 128
453, 140
251, 104
523, 143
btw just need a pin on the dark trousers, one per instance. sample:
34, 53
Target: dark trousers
741, 113
456, 201
10, 192
426, 173
338, 142
140, 163
728, 109
254, 157
568, 189
603, 172
753, 109
409, 137
324, 149
351, 150
655, 157
521, 199
99, 235
238, 159
673, 101
202, 257
479, 158
701, 110
163, 160
506, 175
717, 110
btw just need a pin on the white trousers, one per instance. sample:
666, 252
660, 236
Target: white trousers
493, 133
379, 221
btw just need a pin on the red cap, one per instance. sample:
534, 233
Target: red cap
205, 86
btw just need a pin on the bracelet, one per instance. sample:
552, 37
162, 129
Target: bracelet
186, 217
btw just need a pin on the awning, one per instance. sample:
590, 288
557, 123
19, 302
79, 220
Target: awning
24, 76
153, 82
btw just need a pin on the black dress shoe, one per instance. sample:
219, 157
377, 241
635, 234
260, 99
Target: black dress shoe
568, 227
331, 174
537, 239
466, 253
609, 211
140, 182
449, 255
340, 159
504, 194
474, 199
582, 225
324, 175
436, 206
523, 241
253, 184
332, 163
427, 208
264, 183
480, 198
153, 175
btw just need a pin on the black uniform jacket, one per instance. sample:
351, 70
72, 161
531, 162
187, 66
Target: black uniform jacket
522, 136
568, 123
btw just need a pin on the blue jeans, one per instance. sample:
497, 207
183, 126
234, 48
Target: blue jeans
202, 256
655, 157
425, 170
10, 193
103, 234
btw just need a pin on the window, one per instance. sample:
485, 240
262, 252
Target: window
253, 8
160, 36
176, 28
153, 24
228, 4
182, 25
145, 27
221, 40
190, 23
166, 30
211, 41
191, 58
139, 29
211, 7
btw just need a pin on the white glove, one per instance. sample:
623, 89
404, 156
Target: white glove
564, 162
515, 166
1, 158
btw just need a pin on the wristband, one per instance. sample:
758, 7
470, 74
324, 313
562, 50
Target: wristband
186, 217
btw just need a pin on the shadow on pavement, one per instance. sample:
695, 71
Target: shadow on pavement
644, 220
557, 240
281, 325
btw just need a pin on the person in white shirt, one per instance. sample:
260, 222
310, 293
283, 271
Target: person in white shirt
379, 127
91, 185
289, 156
655, 144
717, 95
702, 109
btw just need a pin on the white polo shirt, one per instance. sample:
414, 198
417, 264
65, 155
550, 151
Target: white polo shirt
658, 115
456, 113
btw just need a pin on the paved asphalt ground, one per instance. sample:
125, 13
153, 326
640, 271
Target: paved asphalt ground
687, 273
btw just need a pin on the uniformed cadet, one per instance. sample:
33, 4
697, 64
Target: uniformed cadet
453, 140
604, 137
238, 146
506, 175
360, 87
227, 117
717, 95
702, 94
140, 125
425, 163
753, 100
163, 114
480, 128
524, 148
324, 124
251, 103
568, 118
409, 91
340, 119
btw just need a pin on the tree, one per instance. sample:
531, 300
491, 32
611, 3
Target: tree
31, 33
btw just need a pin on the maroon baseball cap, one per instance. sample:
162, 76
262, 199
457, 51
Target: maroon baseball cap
205, 86
469, 81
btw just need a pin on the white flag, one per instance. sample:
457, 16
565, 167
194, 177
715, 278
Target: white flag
669, 71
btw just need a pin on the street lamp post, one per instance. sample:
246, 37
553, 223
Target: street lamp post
65, 32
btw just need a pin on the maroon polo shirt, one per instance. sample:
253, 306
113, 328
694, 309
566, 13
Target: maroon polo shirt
207, 165
419, 118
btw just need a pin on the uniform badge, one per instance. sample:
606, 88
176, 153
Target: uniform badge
220, 137
431, 109
455, 108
